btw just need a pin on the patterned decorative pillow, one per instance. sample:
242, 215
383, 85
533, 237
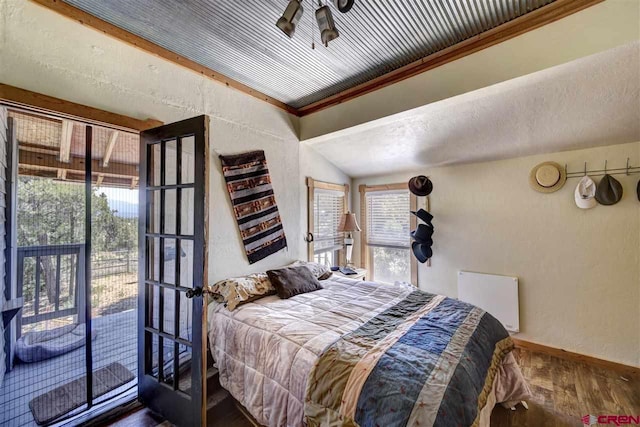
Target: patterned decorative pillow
320, 271
239, 290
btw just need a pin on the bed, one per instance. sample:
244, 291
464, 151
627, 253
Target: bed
364, 353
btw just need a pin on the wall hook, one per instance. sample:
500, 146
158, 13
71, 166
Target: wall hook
605, 167
585, 168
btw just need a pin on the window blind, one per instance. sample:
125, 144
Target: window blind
388, 219
328, 207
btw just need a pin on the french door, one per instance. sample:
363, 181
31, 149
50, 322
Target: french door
172, 250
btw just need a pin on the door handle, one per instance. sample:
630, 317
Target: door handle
196, 292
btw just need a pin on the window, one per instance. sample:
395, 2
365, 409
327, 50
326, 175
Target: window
386, 248
327, 204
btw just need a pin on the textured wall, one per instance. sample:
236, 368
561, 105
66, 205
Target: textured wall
47, 53
579, 269
595, 29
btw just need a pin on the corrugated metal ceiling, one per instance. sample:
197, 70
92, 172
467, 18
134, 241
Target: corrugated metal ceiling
240, 39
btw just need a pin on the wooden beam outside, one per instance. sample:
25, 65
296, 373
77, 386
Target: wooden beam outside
48, 162
36, 101
78, 177
62, 174
65, 140
107, 152
100, 180
32, 148
525, 23
134, 182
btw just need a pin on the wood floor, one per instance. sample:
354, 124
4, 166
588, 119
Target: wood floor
115, 341
563, 392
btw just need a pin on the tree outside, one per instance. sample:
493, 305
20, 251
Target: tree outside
52, 213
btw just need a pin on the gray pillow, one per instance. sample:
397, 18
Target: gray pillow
291, 281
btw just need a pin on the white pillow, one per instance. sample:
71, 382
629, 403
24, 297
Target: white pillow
320, 271
239, 290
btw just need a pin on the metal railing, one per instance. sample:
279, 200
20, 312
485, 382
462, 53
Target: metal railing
47, 264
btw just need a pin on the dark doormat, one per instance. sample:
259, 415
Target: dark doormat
64, 399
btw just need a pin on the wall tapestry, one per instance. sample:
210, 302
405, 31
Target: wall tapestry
254, 204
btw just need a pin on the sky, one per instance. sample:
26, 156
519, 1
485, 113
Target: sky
122, 200
120, 194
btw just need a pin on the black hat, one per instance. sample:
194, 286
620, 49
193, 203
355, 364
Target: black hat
609, 191
423, 215
421, 252
420, 185
422, 234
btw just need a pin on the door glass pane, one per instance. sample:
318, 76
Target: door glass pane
188, 159
153, 222
170, 207
186, 263
154, 165
153, 308
186, 211
170, 254
168, 325
186, 317
152, 362
184, 377
171, 165
153, 258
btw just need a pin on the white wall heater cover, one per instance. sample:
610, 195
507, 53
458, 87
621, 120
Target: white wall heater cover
495, 294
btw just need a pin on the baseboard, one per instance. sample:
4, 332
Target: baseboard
624, 370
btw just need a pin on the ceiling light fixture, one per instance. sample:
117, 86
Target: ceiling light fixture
343, 6
289, 19
328, 30
324, 18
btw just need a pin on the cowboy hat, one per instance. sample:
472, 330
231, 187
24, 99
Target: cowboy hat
585, 194
547, 177
423, 215
609, 191
420, 185
423, 233
422, 252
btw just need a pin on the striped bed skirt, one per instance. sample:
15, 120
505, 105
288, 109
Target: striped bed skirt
254, 204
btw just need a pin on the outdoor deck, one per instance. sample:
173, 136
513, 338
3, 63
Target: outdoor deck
115, 341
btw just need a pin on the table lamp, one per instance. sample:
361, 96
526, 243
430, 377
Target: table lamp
348, 224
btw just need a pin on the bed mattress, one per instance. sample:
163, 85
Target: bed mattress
267, 350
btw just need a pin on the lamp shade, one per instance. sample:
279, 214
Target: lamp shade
348, 223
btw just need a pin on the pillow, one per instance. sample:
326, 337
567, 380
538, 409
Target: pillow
320, 271
240, 290
290, 281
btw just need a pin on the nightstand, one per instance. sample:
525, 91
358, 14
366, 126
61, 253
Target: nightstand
361, 274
